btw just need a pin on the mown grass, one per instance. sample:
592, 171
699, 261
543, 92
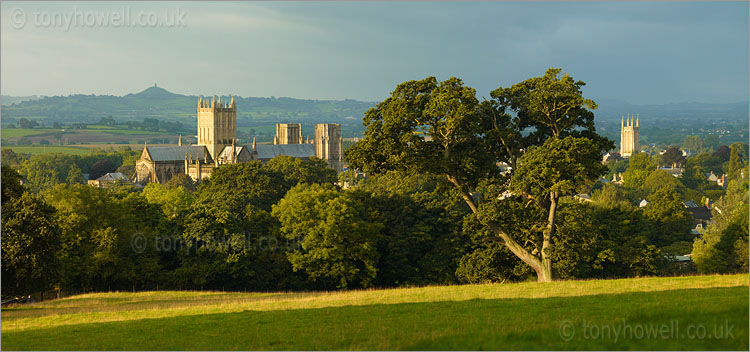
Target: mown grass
511, 316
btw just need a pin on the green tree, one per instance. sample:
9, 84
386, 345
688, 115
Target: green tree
297, 170
660, 178
693, 144
723, 153
11, 183
671, 221
107, 238
43, 171
723, 247
610, 195
711, 142
100, 168
239, 185
616, 168
603, 242
422, 240
673, 157
182, 180
558, 168
737, 160
74, 176
30, 240
491, 263
338, 242
9, 157
173, 201
640, 167
468, 139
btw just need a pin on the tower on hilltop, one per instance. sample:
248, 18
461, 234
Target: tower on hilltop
217, 124
630, 136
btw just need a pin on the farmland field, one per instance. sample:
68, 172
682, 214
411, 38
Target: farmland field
93, 134
35, 149
699, 312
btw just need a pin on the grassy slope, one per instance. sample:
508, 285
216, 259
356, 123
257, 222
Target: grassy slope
514, 316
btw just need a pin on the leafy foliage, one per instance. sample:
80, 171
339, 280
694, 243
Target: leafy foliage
723, 247
468, 139
338, 241
30, 240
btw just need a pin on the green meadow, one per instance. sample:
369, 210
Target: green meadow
677, 313
38, 149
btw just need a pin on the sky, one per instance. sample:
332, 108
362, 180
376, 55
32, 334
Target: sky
638, 52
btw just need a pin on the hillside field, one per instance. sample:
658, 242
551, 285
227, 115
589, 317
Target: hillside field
678, 313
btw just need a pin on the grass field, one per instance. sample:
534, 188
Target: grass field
702, 312
93, 134
36, 149
83, 149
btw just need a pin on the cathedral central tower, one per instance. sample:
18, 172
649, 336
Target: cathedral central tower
217, 124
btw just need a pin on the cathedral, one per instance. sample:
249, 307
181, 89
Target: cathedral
630, 136
217, 145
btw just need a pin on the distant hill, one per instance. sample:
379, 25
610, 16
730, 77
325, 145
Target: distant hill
8, 100
668, 123
612, 110
156, 102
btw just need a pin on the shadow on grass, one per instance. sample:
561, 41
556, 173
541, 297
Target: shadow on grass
498, 324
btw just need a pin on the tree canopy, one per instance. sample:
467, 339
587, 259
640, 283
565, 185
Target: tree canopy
441, 128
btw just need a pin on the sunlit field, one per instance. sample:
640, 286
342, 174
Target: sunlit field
688, 313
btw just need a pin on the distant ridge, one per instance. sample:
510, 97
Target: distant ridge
157, 102
612, 110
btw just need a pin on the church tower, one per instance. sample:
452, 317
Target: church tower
630, 136
329, 144
217, 124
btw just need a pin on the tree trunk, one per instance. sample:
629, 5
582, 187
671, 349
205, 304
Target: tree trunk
546, 274
541, 265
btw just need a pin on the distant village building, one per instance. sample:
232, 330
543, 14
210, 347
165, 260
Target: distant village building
674, 171
701, 214
630, 136
719, 180
109, 179
217, 138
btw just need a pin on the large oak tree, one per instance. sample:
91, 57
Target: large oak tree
441, 128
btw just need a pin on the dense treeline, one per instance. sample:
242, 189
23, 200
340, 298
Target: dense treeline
42, 171
286, 225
